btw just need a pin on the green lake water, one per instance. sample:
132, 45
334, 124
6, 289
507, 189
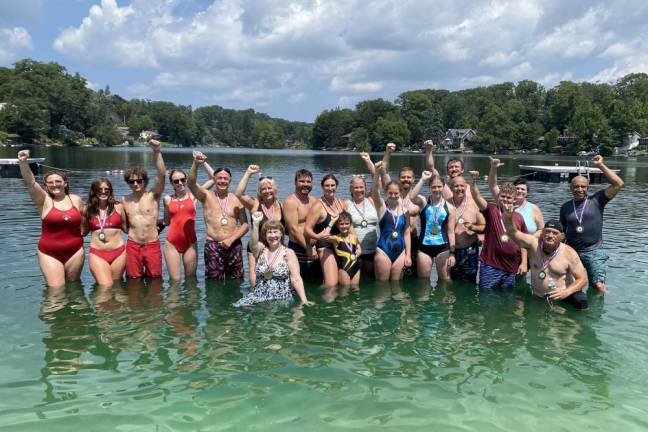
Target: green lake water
395, 356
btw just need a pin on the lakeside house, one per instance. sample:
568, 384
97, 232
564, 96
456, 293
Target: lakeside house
456, 139
147, 135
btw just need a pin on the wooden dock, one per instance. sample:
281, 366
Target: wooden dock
10, 168
559, 173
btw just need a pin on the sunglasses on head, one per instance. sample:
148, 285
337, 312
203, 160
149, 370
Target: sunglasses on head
135, 181
265, 178
180, 180
358, 175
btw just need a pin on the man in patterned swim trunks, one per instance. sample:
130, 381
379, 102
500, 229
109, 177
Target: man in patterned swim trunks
582, 218
470, 221
225, 222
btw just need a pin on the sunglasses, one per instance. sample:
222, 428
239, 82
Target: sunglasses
265, 178
180, 180
104, 189
135, 181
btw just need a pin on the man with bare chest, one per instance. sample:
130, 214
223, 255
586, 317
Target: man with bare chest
470, 221
143, 254
225, 222
556, 270
295, 210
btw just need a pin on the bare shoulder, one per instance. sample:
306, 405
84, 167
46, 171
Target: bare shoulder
76, 199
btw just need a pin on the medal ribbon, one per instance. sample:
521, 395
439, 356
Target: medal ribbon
336, 207
501, 219
436, 211
580, 219
362, 213
273, 257
266, 211
394, 218
102, 220
461, 209
545, 262
220, 204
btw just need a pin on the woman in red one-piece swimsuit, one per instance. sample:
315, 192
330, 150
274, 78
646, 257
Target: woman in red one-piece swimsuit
180, 216
60, 248
105, 220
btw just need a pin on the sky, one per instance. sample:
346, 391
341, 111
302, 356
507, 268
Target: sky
293, 59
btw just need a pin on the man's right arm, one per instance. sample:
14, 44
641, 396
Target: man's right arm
492, 176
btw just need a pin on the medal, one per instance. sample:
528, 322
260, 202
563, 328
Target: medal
504, 238
545, 262
223, 220
435, 230
364, 223
579, 227
461, 210
102, 237
267, 274
542, 275
102, 223
394, 234
460, 221
353, 257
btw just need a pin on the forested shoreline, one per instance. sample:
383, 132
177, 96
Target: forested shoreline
43, 102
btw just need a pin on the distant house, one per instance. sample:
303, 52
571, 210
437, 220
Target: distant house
147, 135
643, 144
632, 143
457, 138
565, 140
124, 131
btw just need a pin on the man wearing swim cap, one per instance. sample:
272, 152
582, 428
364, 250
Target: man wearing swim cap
556, 271
582, 218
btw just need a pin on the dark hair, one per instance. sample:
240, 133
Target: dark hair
60, 174
344, 215
405, 168
437, 177
521, 181
329, 176
393, 182
140, 172
173, 171
270, 225
303, 173
92, 207
455, 160
219, 169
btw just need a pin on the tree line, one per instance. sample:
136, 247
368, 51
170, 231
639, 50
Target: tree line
42, 101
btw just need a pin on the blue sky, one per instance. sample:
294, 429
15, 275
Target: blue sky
293, 59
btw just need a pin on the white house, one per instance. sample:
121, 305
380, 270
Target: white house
456, 138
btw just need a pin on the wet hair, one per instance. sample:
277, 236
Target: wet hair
303, 173
270, 225
508, 189
92, 207
272, 183
344, 215
405, 168
437, 177
331, 177
60, 174
455, 160
521, 181
137, 171
173, 171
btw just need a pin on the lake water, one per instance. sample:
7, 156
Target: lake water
390, 356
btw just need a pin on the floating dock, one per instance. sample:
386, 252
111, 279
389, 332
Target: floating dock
10, 168
559, 173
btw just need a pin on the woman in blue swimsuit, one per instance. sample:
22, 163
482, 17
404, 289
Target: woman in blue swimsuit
437, 236
393, 251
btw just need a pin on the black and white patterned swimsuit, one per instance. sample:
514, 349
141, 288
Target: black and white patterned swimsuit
277, 288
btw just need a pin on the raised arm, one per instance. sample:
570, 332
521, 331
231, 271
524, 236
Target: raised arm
36, 192
429, 156
367, 160
389, 149
616, 183
474, 190
248, 201
415, 193
525, 241
492, 176
375, 189
255, 246
210, 176
197, 190
158, 186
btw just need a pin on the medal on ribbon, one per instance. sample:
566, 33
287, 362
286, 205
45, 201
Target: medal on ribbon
579, 227
223, 207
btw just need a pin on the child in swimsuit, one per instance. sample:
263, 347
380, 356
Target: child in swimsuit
347, 251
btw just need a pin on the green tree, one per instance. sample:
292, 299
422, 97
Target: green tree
360, 139
267, 134
390, 130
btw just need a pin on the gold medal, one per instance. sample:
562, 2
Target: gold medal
267, 274
435, 230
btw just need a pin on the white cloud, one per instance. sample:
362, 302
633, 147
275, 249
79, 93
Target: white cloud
14, 42
308, 52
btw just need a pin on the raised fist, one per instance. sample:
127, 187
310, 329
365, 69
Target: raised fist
23, 155
154, 144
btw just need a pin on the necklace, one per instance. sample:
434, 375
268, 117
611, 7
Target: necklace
270, 260
223, 219
579, 227
545, 262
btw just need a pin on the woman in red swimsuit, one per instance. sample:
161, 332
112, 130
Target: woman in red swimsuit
105, 219
60, 248
180, 216
266, 201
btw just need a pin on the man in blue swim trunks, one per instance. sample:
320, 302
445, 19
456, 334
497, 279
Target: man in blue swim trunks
582, 218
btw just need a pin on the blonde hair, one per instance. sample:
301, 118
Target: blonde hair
272, 183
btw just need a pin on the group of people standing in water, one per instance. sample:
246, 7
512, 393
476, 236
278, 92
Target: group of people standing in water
390, 232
